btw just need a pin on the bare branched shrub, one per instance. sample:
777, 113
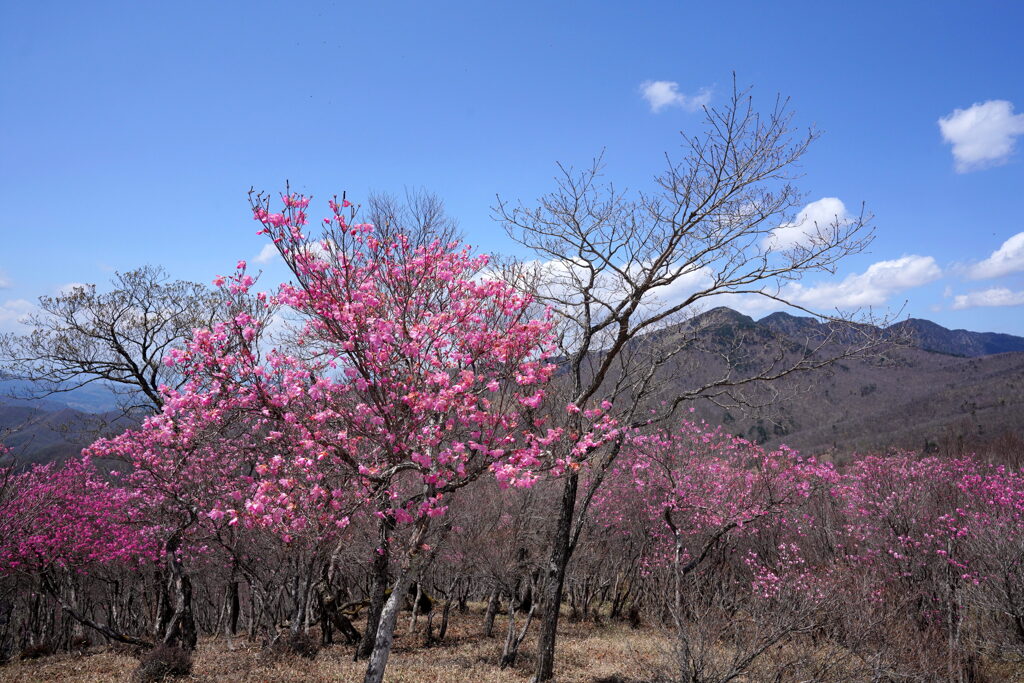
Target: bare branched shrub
37, 650
301, 644
162, 662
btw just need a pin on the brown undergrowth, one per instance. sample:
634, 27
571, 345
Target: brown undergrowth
588, 653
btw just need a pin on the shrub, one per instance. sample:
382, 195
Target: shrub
163, 661
293, 645
41, 649
80, 643
633, 616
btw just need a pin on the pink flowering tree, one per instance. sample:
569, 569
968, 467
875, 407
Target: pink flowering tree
184, 465
995, 517
412, 374
696, 485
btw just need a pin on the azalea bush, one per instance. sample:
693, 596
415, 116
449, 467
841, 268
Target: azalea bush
905, 565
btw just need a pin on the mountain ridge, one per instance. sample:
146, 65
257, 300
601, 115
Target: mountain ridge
924, 334
946, 384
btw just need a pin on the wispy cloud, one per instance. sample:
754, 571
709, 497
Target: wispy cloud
996, 296
813, 224
983, 135
661, 94
873, 287
267, 254
5, 281
560, 280
1009, 258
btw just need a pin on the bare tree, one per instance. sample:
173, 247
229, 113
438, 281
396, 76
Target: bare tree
116, 338
419, 216
625, 273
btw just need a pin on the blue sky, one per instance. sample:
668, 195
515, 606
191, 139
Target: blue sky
130, 132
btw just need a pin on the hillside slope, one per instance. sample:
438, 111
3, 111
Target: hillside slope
911, 397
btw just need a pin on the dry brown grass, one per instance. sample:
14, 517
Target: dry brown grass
587, 653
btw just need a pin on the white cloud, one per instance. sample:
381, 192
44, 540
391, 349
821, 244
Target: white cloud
982, 135
5, 281
267, 254
1007, 259
561, 280
688, 281
873, 287
12, 312
997, 296
559, 284
661, 94
812, 225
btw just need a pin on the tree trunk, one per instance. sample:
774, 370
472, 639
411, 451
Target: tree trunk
385, 632
428, 635
554, 581
253, 613
512, 643
326, 622
47, 585
412, 561
234, 608
331, 616
415, 607
182, 626
506, 653
77, 629
444, 618
303, 590
164, 611
492, 609
380, 586
177, 625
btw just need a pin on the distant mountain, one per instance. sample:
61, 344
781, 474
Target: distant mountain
924, 334
792, 325
44, 432
43, 428
947, 385
91, 398
932, 337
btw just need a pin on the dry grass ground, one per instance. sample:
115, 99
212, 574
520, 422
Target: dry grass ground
587, 653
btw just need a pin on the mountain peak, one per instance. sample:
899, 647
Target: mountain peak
723, 315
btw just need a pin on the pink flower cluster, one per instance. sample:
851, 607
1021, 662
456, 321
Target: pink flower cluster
67, 517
